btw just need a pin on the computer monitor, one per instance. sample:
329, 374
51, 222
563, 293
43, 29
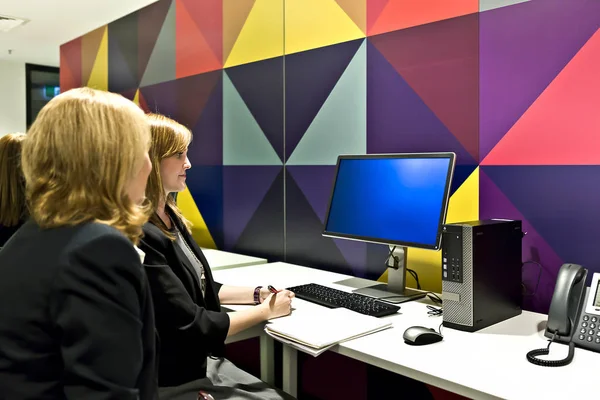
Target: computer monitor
400, 200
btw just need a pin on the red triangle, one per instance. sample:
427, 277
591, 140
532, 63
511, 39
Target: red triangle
208, 16
192, 52
374, 10
561, 127
143, 103
70, 57
66, 77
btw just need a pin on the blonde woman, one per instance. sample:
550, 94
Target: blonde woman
187, 300
12, 186
76, 319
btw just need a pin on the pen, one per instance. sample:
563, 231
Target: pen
272, 289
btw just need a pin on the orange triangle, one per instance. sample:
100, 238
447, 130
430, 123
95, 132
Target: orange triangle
561, 127
357, 11
235, 13
193, 54
400, 14
90, 44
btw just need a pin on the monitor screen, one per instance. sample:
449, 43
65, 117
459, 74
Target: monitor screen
395, 199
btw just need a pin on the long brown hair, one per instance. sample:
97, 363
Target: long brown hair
12, 184
80, 154
169, 137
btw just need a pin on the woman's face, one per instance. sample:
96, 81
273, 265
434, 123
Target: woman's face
173, 172
136, 189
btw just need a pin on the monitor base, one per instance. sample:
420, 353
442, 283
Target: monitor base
384, 292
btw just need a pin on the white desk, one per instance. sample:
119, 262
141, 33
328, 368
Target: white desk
218, 259
489, 364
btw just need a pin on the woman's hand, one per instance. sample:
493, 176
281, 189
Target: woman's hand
279, 304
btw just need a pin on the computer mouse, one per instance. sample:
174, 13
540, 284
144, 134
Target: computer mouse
420, 335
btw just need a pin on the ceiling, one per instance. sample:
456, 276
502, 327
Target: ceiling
54, 22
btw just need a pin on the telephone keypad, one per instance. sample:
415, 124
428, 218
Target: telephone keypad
589, 332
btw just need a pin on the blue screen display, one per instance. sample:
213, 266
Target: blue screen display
389, 199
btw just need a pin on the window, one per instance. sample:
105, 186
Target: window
42, 84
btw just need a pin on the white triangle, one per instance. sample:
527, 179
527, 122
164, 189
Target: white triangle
244, 142
340, 127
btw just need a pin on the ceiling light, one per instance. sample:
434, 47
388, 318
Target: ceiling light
7, 23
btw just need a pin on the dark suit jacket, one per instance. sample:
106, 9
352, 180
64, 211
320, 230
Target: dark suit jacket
6, 232
76, 317
190, 327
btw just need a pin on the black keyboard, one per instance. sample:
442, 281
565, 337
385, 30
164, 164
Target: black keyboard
333, 298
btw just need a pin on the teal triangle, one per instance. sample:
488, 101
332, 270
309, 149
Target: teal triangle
161, 66
244, 142
340, 127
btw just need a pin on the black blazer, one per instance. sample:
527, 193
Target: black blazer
6, 232
76, 317
190, 327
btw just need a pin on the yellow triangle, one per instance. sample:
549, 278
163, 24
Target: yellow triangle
99, 76
261, 36
200, 231
136, 98
310, 24
463, 206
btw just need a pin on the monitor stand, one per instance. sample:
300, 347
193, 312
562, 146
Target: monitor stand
395, 291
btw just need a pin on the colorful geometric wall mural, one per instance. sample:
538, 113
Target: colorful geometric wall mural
275, 90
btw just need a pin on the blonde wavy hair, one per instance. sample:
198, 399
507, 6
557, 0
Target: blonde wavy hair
12, 184
169, 137
80, 155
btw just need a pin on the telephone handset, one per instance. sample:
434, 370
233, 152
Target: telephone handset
574, 316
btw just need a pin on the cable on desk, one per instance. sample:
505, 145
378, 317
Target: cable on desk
434, 311
532, 355
440, 328
538, 278
434, 297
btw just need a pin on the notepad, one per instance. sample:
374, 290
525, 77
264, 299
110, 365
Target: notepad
315, 332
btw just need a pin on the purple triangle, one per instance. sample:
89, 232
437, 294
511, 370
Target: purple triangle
316, 183
120, 77
522, 49
207, 145
310, 76
493, 203
243, 190
561, 202
355, 254
260, 85
398, 120
161, 98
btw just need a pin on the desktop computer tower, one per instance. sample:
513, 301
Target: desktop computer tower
481, 273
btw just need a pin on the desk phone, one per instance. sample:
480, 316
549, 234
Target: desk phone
574, 316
